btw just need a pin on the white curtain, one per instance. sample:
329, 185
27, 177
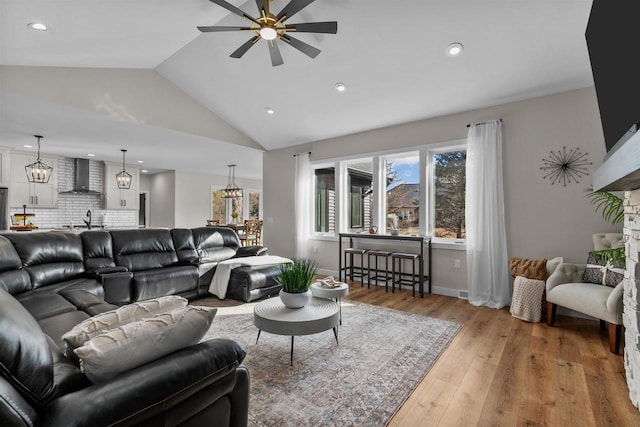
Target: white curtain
303, 205
487, 260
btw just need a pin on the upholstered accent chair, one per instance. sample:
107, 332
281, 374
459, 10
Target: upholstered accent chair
566, 288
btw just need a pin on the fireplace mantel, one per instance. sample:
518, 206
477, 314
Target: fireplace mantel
621, 168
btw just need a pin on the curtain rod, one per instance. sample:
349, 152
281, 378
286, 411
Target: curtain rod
483, 123
300, 154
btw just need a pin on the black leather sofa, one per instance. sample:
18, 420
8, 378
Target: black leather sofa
49, 282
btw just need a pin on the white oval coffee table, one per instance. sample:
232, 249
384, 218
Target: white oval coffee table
318, 315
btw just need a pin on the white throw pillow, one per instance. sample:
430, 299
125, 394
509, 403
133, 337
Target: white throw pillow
103, 322
126, 347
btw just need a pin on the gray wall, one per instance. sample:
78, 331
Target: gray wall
543, 220
183, 199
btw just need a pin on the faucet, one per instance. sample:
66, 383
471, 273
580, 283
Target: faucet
89, 221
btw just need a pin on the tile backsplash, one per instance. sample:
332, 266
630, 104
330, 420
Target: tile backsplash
72, 208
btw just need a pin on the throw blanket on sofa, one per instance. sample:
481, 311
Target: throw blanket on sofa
220, 280
526, 303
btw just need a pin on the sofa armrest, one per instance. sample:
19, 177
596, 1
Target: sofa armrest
614, 301
245, 251
565, 273
107, 270
117, 287
152, 390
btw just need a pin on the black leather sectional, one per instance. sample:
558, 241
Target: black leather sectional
49, 282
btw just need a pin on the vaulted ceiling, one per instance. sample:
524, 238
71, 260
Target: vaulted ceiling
391, 55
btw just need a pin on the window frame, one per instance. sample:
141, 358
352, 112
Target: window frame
228, 207
426, 214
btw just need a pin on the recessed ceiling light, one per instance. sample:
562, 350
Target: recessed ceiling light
27, 146
91, 155
269, 110
144, 171
454, 49
38, 26
140, 161
341, 87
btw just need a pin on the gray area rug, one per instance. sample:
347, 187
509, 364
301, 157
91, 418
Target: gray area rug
382, 356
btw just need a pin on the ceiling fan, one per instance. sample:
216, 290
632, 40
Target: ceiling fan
272, 28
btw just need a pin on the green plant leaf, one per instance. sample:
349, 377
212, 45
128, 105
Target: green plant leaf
296, 276
612, 206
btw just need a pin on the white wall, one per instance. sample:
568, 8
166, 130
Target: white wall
543, 220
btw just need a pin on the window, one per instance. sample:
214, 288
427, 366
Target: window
247, 207
448, 190
254, 205
403, 193
218, 206
325, 200
359, 189
417, 191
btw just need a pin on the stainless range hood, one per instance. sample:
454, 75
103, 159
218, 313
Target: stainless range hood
81, 179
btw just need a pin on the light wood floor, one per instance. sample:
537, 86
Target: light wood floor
501, 371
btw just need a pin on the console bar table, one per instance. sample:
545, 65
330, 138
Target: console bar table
420, 240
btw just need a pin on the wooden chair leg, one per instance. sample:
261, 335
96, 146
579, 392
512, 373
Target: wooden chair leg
615, 331
551, 313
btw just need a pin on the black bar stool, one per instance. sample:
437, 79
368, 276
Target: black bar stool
412, 279
354, 270
379, 275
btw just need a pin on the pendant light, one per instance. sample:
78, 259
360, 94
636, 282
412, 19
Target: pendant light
232, 191
38, 171
123, 178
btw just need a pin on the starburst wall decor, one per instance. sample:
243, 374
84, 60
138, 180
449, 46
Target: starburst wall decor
566, 166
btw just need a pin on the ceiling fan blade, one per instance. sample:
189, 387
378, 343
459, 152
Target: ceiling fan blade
245, 47
274, 51
307, 49
292, 8
218, 29
262, 4
315, 27
232, 8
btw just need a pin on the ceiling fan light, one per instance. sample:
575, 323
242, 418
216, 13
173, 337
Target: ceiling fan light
268, 33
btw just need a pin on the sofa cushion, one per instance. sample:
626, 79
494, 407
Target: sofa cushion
143, 249
97, 250
45, 304
49, 257
56, 326
215, 244
112, 319
13, 278
166, 281
25, 359
184, 245
134, 344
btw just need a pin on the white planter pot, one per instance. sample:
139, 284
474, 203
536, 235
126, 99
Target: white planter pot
295, 300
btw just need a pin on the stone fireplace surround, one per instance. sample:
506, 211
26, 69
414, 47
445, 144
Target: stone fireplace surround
621, 171
631, 298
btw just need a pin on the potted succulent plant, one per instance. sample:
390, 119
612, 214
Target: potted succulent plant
296, 278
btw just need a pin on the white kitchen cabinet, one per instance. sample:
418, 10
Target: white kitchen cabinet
34, 195
117, 198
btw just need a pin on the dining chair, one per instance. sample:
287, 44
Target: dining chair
252, 232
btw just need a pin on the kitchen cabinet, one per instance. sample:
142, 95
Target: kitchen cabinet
117, 198
33, 194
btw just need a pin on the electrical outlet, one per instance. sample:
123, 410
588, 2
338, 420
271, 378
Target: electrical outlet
456, 263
